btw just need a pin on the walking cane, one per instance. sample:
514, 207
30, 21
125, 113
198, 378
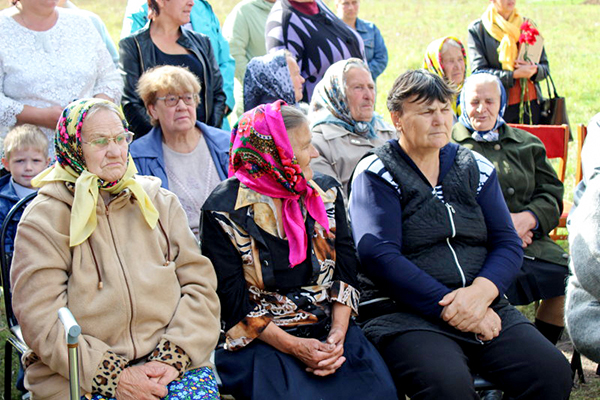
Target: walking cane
72, 331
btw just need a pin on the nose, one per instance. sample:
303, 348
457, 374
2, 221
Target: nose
302, 80
479, 108
314, 153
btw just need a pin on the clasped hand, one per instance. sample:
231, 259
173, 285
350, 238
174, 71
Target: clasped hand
322, 358
145, 382
524, 69
524, 223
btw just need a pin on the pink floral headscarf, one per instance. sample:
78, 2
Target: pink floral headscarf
262, 158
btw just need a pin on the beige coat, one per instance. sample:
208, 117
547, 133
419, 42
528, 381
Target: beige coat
156, 288
340, 150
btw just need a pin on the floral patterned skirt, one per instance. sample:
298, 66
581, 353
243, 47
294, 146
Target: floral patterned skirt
196, 384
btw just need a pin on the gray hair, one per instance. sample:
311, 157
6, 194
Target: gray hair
293, 118
479, 78
110, 106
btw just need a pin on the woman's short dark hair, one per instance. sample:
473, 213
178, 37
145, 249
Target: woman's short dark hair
420, 84
153, 6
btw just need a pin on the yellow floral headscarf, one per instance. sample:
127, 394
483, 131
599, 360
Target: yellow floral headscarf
433, 63
70, 167
506, 32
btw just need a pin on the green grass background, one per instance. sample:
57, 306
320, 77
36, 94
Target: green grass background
571, 31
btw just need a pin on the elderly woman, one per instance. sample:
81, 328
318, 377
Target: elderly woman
344, 123
435, 236
48, 57
97, 237
275, 76
493, 43
164, 42
179, 143
286, 270
582, 314
532, 192
314, 36
447, 58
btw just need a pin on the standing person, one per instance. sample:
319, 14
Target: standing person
188, 156
244, 29
435, 236
164, 42
493, 44
375, 49
314, 36
114, 248
533, 194
344, 123
446, 57
202, 19
286, 269
99, 25
48, 57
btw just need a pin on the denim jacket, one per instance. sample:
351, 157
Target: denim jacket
375, 50
148, 156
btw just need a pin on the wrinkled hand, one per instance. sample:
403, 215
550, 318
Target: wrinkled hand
168, 374
524, 69
464, 308
140, 383
524, 222
490, 326
320, 358
328, 366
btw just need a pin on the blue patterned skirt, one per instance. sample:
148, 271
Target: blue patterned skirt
196, 384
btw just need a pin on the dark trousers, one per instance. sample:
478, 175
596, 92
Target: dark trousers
430, 365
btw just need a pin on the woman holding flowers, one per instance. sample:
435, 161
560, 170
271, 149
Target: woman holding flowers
494, 42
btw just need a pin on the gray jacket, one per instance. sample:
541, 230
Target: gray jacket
582, 309
340, 150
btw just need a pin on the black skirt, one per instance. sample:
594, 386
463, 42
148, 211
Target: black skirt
259, 371
537, 280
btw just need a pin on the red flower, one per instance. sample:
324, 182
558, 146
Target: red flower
528, 33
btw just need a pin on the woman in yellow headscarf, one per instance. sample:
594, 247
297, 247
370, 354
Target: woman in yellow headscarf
446, 57
493, 45
116, 249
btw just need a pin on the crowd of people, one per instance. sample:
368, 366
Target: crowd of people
311, 251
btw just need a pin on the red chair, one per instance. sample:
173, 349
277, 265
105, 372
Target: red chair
556, 142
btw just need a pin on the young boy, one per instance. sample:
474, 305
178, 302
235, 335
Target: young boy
25, 156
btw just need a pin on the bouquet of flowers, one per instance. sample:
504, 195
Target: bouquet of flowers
529, 35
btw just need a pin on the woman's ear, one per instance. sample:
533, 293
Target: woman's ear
152, 111
396, 120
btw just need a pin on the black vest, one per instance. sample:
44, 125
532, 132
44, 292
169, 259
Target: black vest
446, 240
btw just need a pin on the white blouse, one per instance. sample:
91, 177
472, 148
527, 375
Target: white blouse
52, 68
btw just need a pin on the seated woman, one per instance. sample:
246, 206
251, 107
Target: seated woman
178, 143
447, 58
164, 42
114, 248
533, 194
434, 234
344, 123
493, 44
582, 313
314, 36
272, 77
286, 270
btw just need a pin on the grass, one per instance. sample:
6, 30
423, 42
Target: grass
570, 28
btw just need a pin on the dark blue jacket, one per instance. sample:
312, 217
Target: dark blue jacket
8, 198
148, 156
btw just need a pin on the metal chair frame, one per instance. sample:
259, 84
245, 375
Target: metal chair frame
15, 340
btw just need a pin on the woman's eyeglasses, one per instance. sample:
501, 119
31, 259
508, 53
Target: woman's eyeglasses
188, 98
121, 139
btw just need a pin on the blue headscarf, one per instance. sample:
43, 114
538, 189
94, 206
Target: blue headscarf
330, 104
268, 79
492, 134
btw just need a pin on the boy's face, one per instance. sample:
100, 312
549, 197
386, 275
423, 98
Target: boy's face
24, 164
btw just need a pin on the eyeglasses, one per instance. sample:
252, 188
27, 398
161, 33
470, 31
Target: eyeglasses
121, 139
188, 98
